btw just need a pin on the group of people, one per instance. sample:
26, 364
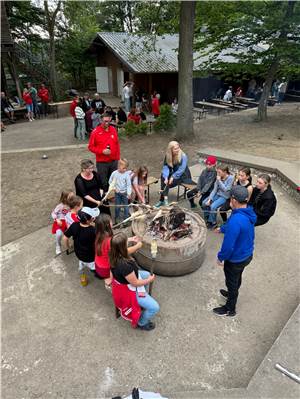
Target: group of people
36, 103
88, 113
85, 216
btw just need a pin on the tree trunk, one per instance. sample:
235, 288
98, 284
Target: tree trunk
185, 123
50, 26
263, 102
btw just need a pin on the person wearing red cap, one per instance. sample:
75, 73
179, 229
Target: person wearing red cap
205, 182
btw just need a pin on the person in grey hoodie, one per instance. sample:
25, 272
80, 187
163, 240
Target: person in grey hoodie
218, 196
205, 182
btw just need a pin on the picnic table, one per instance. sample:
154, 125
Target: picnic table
234, 106
199, 113
217, 107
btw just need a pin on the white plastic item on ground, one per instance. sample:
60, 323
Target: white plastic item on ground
147, 395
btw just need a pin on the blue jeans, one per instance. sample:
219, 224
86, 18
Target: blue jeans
280, 97
149, 305
216, 203
127, 104
121, 199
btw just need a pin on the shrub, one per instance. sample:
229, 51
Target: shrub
166, 120
131, 128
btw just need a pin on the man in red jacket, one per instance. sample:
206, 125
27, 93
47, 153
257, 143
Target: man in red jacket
104, 142
73, 105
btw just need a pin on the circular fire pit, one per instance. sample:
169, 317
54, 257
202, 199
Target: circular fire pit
174, 258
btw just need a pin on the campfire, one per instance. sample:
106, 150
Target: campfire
170, 224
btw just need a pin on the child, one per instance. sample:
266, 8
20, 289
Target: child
83, 233
58, 215
75, 204
104, 234
29, 104
244, 179
205, 182
218, 196
80, 118
126, 273
139, 181
123, 188
96, 118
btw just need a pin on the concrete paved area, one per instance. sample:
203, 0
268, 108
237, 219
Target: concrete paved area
62, 341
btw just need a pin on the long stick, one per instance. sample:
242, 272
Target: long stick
283, 370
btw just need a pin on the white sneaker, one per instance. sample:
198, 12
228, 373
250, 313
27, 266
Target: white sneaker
58, 250
30, 120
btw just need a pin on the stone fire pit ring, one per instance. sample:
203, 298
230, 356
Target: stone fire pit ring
174, 258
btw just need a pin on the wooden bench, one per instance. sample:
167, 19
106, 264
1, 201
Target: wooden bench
187, 187
200, 113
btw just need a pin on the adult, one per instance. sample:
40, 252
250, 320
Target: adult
218, 196
263, 199
7, 107
33, 93
174, 172
73, 105
111, 112
244, 179
228, 94
282, 90
155, 105
138, 98
88, 186
97, 102
86, 102
133, 116
237, 248
126, 96
274, 89
104, 142
43, 94
126, 273
121, 116
239, 92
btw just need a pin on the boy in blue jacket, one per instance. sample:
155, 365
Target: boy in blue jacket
237, 248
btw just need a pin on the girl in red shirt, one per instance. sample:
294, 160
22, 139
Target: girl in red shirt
133, 116
104, 234
155, 105
29, 105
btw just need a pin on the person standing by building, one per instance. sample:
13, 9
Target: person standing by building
43, 94
155, 105
104, 143
237, 248
126, 94
282, 90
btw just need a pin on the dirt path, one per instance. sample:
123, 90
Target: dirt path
31, 186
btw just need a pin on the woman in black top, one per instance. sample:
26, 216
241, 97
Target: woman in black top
263, 200
125, 271
244, 179
88, 186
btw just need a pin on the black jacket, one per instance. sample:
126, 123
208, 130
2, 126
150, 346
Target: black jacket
264, 204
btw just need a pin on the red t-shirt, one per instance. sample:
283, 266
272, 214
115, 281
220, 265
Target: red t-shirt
102, 261
135, 118
27, 98
155, 106
100, 139
44, 95
72, 108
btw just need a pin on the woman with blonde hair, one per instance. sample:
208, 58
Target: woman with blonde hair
174, 172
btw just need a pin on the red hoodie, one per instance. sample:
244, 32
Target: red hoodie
44, 95
100, 139
27, 98
72, 108
125, 300
155, 106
